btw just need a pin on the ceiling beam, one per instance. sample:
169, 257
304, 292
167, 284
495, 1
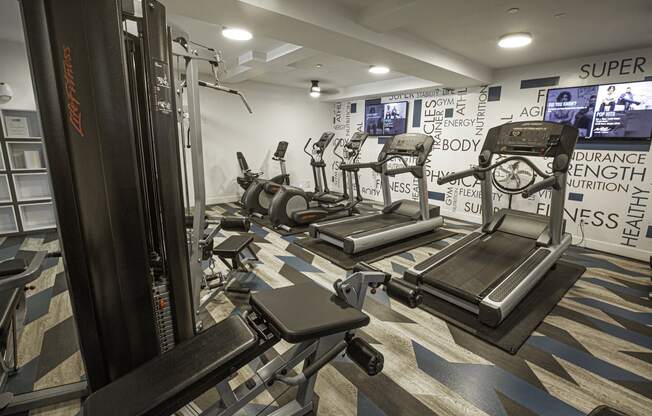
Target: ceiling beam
253, 63
379, 88
327, 28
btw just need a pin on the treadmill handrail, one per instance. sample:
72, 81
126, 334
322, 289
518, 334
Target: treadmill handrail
457, 175
480, 169
549, 182
377, 166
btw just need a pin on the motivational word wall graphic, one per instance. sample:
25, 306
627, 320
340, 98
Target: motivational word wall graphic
609, 188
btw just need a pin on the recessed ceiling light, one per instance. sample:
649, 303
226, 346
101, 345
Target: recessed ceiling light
513, 10
378, 69
318, 66
515, 40
236, 34
559, 15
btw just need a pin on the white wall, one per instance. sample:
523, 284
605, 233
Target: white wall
278, 114
14, 70
617, 222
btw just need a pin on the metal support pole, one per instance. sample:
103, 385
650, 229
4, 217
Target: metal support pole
557, 210
424, 205
197, 158
384, 184
486, 192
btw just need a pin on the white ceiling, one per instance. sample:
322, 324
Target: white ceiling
425, 42
472, 27
333, 74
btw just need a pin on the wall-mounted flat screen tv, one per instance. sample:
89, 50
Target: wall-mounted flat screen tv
606, 112
386, 119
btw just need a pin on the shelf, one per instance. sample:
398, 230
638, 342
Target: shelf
26, 155
8, 220
21, 124
31, 186
37, 216
5, 192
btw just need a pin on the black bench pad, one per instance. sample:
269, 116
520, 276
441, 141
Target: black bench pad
12, 266
306, 311
233, 245
168, 382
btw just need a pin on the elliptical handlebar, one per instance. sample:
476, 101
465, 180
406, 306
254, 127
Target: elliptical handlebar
335, 152
305, 149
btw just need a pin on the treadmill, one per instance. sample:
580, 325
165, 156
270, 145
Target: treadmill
492, 269
398, 220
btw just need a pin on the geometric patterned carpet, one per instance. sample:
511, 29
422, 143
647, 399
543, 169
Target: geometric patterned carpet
48, 353
594, 348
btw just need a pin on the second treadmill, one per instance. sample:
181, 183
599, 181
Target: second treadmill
398, 220
492, 269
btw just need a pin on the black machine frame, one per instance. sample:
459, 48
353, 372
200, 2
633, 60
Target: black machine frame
99, 128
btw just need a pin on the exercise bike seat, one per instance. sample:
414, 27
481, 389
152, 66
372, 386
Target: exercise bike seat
232, 246
306, 311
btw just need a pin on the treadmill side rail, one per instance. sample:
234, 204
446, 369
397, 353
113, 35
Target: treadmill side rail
390, 234
507, 295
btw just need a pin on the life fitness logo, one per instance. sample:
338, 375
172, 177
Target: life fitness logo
74, 106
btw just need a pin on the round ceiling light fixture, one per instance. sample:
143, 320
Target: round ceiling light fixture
513, 10
378, 69
6, 93
315, 89
236, 34
515, 40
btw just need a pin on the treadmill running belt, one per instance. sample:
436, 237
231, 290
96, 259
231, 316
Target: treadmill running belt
475, 268
362, 225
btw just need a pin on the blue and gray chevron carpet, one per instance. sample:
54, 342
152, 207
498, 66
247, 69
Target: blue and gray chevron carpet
594, 348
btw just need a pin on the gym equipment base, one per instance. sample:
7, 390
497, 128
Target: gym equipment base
265, 222
346, 261
363, 207
606, 411
524, 319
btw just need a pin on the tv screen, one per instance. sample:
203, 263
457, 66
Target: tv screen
386, 119
604, 112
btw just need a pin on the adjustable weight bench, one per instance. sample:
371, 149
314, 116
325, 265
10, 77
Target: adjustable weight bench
318, 322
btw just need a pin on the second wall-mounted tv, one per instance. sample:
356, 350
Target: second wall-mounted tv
386, 119
607, 112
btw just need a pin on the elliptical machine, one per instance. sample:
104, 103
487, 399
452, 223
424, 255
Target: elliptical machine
292, 206
259, 193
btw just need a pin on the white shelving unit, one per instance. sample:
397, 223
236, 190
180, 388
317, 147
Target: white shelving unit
25, 194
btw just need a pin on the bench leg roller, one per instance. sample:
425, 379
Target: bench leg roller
369, 359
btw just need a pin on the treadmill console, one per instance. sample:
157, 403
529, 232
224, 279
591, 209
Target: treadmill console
409, 144
324, 141
281, 149
531, 138
356, 141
